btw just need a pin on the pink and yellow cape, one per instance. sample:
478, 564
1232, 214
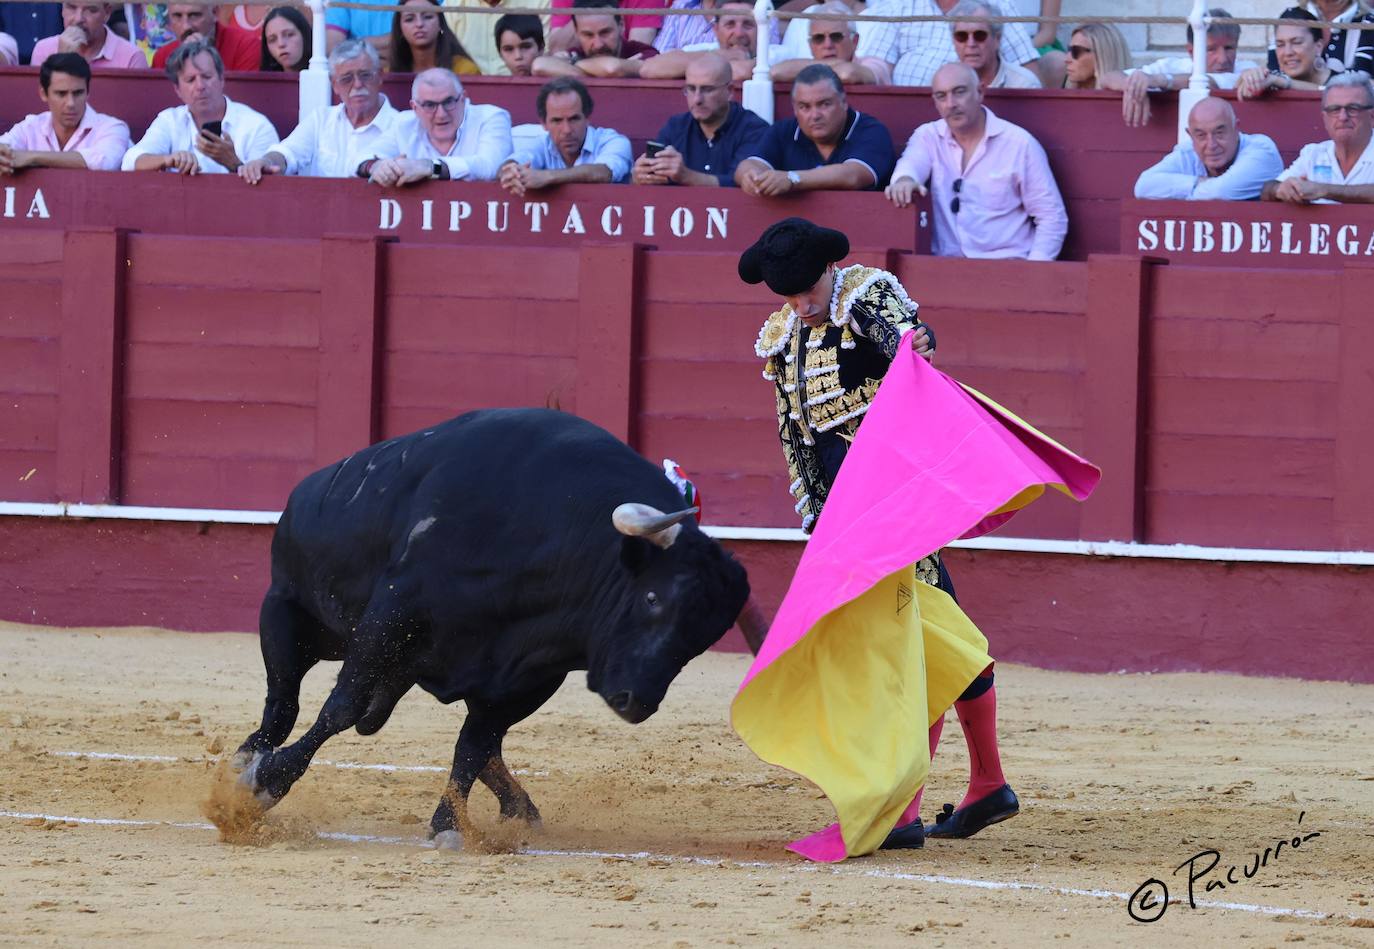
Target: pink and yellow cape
862, 657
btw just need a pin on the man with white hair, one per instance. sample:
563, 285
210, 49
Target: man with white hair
334, 142
1340, 169
831, 40
915, 50
978, 44
1217, 163
991, 188
445, 136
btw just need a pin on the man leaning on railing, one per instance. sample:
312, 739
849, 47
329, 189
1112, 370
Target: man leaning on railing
1340, 169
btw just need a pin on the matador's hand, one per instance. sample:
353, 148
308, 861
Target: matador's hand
923, 342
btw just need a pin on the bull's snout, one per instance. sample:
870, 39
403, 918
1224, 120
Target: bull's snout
629, 708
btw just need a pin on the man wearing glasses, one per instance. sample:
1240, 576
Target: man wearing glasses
915, 50
704, 145
1340, 169
990, 184
333, 142
978, 44
830, 41
446, 136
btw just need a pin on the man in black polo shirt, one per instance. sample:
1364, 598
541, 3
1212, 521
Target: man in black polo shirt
828, 146
704, 145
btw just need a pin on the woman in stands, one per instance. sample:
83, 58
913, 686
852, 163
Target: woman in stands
1300, 52
1352, 48
1095, 49
286, 41
422, 39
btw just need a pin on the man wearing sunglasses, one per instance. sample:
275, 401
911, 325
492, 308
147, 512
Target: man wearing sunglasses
990, 183
978, 44
446, 136
916, 49
1340, 169
333, 142
829, 41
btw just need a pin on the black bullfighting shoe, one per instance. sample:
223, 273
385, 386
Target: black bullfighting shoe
910, 837
998, 806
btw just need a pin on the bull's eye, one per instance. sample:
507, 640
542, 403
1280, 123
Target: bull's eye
651, 598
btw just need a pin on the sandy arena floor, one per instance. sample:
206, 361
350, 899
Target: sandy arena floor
669, 833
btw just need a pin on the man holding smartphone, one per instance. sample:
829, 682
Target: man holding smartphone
703, 145
210, 133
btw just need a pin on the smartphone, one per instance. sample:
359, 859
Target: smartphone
653, 148
214, 128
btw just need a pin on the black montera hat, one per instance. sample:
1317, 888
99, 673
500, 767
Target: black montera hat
791, 255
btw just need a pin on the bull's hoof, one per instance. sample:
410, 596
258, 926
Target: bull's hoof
448, 840
249, 779
242, 759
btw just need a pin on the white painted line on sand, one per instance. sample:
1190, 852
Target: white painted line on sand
644, 855
342, 765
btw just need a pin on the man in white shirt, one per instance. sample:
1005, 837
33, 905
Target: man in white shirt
334, 142
831, 41
565, 149
210, 133
1341, 169
978, 44
991, 188
735, 35
1174, 72
445, 136
1217, 163
915, 50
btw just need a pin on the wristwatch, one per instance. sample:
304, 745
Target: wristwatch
795, 178
437, 169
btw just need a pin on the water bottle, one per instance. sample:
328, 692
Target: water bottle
1321, 170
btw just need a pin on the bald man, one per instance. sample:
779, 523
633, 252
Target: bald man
1217, 163
992, 192
703, 145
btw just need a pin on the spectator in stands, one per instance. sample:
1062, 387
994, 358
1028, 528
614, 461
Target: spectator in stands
1301, 63
916, 50
334, 142
601, 48
679, 31
1174, 72
990, 184
445, 136
1218, 163
70, 134
564, 149
9, 50
474, 31
374, 26
1340, 169
704, 145
520, 41
640, 28
1353, 49
1095, 50
832, 42
421, 39
978, 44
286, 41
828, 146
734, 36
84, 32
26, 24
209, 133
238, 49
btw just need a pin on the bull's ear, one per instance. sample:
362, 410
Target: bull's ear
635, 554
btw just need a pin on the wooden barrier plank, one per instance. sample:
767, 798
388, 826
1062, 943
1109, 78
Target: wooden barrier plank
194, 314
1235, 520
428, 271
508, 325
213, 373
1273, 349
253, 484
1354, 456
607, 328
1243, 407
89, 375
1234, 464
1245, 294
255, 264
28, 474
29, 422
229, 432
348, 382
29, 365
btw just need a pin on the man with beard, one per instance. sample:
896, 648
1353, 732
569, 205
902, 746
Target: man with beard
601, 48
333, 142
828, 146
70, 134
209, 133
991, 187
704, 145
238, 49
564, 149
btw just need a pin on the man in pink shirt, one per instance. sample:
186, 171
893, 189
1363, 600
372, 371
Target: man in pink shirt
70, 134
85, 33
990, 184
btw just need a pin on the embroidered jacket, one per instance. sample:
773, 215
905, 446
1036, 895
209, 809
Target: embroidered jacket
825, 379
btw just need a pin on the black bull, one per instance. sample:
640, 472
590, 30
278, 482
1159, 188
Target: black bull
479, 560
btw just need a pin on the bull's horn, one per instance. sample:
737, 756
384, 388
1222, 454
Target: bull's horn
643, 520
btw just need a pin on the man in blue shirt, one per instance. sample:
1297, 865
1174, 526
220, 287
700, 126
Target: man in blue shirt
564, 149
28, 23
1218, 163
703, 145
828, 146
